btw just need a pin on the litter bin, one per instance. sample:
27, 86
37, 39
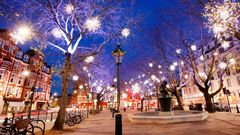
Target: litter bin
199, 107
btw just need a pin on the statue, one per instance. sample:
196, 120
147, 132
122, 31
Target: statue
165, 99
164, 90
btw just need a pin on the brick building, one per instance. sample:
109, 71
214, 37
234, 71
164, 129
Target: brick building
15, 87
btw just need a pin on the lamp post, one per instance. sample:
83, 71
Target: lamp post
118, 54
38, 67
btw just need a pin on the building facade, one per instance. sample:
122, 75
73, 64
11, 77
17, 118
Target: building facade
18, 75
231, 77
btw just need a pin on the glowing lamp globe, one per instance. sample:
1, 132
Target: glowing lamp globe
118, 54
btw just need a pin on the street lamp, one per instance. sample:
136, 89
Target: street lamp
118, 54
38, 68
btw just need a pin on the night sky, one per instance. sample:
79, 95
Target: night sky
138, 48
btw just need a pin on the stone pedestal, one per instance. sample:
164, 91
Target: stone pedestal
165, 103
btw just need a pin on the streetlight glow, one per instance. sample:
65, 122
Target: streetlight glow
22, 34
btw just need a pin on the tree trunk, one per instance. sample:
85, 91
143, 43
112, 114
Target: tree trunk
179, 99
142, 104
58, 125
209, 105
98, 105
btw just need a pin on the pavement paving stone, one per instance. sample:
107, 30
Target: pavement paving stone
103, 124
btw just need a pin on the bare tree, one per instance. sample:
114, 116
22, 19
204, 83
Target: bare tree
64, 24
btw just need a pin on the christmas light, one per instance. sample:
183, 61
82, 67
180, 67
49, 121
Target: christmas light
93, 24
69, 8
125, 32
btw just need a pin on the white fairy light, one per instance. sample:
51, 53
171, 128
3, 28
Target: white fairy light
93, 24
193, 47
85, 68
182, 63
178, 51
153, 77
232, 61
222, 65
124, 95
150, 64
56, 32
125, 32
225, 44
186, 76
80, 87
160, 72
89, 59
202, 58
175, 63
69, 8
172, 67
75, 77
222, 17
99, 88
115, 80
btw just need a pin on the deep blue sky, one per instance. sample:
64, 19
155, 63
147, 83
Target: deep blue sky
151, 9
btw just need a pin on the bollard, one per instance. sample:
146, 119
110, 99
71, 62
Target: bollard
38, 115
51, 116
46, 115
112, 113
237, 109
118, 124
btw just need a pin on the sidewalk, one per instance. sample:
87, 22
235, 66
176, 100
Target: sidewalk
104, 124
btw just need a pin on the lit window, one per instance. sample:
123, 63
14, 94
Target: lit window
11, 49
238, 80
228, 73
25, 58
1, 44
12, 79
2, 74
229, 83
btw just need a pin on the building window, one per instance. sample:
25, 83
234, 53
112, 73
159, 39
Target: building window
11, 49
12, 79
219, 74
25, 58
221, 50
9, 90
13, 93
229, 83
2, 74
228, 73
16, 64
20, 80
237, 67
1, 44
238, 80
19, 54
